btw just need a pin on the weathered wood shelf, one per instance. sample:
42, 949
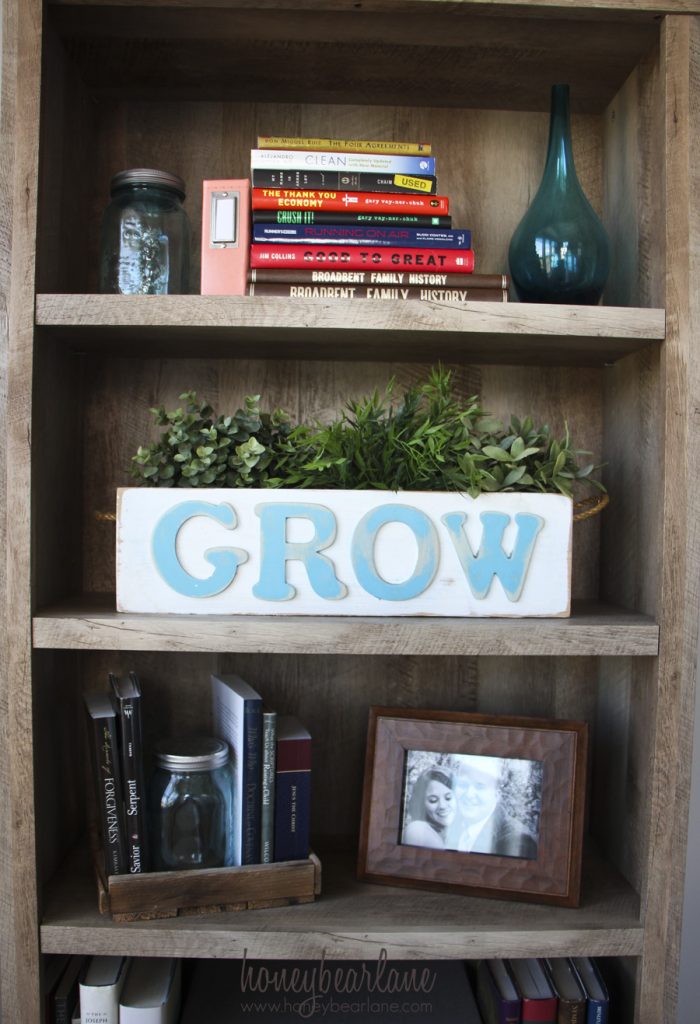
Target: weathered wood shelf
354, 919
593, 629
242, 326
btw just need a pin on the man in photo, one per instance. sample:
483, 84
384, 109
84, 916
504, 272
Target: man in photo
482, 824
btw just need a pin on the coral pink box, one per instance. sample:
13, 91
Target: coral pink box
225, 236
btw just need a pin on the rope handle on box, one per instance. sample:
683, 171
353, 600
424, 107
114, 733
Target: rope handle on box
584, 509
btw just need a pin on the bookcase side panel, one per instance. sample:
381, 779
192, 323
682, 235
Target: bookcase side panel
23, 990
679, 609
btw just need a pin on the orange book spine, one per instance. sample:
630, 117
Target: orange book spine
360, 202
225, 236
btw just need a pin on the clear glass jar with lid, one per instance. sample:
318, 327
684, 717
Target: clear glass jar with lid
191, 798
145, 236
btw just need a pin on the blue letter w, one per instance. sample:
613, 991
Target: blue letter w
491, 559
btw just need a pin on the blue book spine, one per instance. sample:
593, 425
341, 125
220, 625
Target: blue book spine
346, 234
597, 1012
252, 782
292, 815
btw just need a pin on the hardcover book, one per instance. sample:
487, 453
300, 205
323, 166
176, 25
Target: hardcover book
539, 1003
568, 990
53, 971
151, 993
105, 763
336, 992
359, 257
598, 1001
378, 292
320, 160
100, 989
127, 697
362, 202
409, 279
237, 716
351, 234
498, 998
416, 220
292, 790
269, 762
343, 145
361, 181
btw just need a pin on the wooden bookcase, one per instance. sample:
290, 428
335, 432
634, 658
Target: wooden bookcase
93, 87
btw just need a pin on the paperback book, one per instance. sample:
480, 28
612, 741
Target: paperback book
342, 199
460, 261
127, 697
320, 160
373, 235
343, 145
359, 181
415, 220
269, 763
237, 717
105, 765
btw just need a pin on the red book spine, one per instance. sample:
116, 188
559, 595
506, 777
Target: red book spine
539, 1011
356, 257
360, 202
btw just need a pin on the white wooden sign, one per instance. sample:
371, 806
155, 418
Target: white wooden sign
317, 552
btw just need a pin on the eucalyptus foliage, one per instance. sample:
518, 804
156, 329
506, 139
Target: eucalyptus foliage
428, 440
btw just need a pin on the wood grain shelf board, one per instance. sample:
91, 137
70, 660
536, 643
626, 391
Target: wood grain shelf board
241, 326
593, 630
354, 919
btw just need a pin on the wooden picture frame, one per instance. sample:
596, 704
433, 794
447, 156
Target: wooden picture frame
512, 827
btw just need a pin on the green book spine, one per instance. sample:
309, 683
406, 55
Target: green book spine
267, 818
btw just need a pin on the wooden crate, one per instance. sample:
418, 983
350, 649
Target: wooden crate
163, 894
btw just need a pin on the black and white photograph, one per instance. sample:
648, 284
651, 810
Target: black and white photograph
472, 803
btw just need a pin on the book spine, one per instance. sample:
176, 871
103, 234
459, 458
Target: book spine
99, 1004
267, 816
360, 181
344, 145
380, 292
292, 814
539, 1011
346, 234
109, 793
252, 770
417, 220
362, 202
460, 261
133, 782
411, 279
345, 163
597, 1012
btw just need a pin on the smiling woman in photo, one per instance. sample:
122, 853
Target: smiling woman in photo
430, 811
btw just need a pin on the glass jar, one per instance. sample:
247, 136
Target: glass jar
145, 237
192, 804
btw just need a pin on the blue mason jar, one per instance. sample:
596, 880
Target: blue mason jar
191, 805
145, 236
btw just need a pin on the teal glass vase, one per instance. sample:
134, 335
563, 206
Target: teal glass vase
560, 250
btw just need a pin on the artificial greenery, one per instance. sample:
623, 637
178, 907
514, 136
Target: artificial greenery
428, 441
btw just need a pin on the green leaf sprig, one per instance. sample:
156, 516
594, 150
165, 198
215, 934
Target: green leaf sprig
428, 440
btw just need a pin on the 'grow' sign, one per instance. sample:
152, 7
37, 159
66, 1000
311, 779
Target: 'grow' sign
291, 552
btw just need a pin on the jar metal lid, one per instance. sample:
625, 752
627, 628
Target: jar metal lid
148, 176
191, 754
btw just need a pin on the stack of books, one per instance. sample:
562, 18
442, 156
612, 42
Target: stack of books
556, 990
272, 774
338, 218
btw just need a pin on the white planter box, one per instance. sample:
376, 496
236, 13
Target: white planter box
317, 552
